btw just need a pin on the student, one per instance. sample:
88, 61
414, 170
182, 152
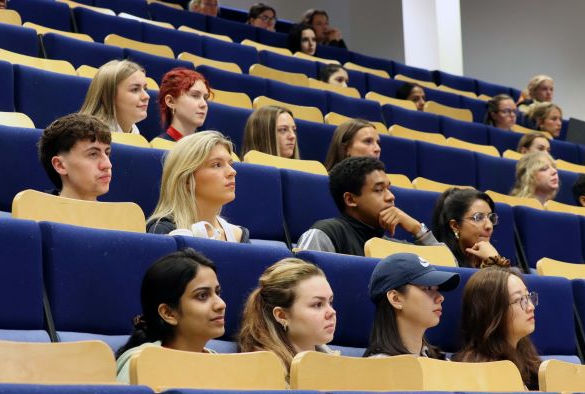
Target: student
501, 112
361, 191
117, 95
412, 92
547, 117
533, 142
182, 100
540, 90
464, 220
182, 308
497, 318
334, 74
75, 152
271, 129
407, 292
579, 191
205, 7
536, 177
301, 38
262, 16
326, 35
197, 181
356, 137
290, 311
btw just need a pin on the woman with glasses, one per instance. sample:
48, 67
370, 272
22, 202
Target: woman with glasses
501, 112
497, 318
263, 16
271, 130
464, 220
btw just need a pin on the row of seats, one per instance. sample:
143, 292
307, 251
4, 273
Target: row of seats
275, 214
58, 257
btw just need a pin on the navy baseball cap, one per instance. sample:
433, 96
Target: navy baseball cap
407, 268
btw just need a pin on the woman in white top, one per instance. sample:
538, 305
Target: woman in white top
181, 308
197, 181
118, 96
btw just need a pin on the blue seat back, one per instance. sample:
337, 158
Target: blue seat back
467, 131
15, 388
179, 41
224, 80
233, 14
399, 156
357, 79
133, 7
503, 139
478, 108
455, 81
446, 164
230, 121
330, 52
564, 150
314, 139
417, 203
416, 120
387, 87
579, 298
79, 52
354, 107
99, 25
155, 66
43, 12
239, 267
297, 95
288, 63
503, 235
496, 174
273, 38
372, 62
445, 98
7, 87
224, 51
261, 213
151, 126
21, 282
236, 30
566, 181
413, 72
492, 89
177, 18
19, 39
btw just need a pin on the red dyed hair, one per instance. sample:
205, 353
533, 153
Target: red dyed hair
176, 82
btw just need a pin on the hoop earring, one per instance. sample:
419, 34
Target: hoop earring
456, 233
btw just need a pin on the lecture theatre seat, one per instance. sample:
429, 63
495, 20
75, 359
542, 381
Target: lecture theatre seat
177, 18
236, 31
455, 81
399, 155
288, 63
420, 74
42, 12
225, 80
477, 107
21, 282
224, 51
19, 39
495, 173
386, 86
134, 7
93, 279
492, 89
354, 107
272, 38
330, 52
297, 95
416, 120
228, 120
79, 52
155, 66
441, 97
179, 41
372, 62
503, 139
99, 25
16, 388
467, 131
357, 79
446, 164
6, 86
313, 139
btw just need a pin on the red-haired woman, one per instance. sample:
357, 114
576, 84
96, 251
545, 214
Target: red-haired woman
182, 101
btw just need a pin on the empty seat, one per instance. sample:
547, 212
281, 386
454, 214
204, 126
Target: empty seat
153, 49
47, 13
19, 39
354, 107
446, 164
495, 173
565, 151
310, 166
415, 120
455, 81
117, 277
330, 52
413, 72
440, 109
503, 139
273, 38
290, 78
288, 63
179, 41
297, 95
313, 139
467, 131
78, 52
134, 7
237, 31
477, 107
551, 267
225, 80
399, 155
160, 12
243, 55
492, 89
385, 86
372, 62
155, 66
21, 282
435, 254
6, 86
229, 120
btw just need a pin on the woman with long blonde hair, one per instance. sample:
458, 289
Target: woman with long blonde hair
197, 181
271, 129
289, 312
536, 177
547, 117
118, 96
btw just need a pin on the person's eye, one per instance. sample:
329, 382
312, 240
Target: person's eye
202, 296
317, 305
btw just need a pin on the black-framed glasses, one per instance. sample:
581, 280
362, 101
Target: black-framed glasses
479, 217
523, 301
266, 18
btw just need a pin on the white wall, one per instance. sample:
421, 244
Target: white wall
372, 27
507, 42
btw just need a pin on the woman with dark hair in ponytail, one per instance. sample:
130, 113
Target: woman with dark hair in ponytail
289, 312
181, 308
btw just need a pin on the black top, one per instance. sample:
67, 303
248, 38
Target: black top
166, 225
347, 234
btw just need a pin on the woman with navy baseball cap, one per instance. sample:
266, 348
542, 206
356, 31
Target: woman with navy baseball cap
406, 290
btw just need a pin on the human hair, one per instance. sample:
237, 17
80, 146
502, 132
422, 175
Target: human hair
163, 283
527, 140
177, 187
404, 91
342, 139
535, 82
100, 99
484, 324
327, 70
526, 168
385, 336
349, 175
452, 205
311, 13
276, 288
260, 131
579, 188
63, 134
175, 83
540, 111
295, 35
493, 106
257, 9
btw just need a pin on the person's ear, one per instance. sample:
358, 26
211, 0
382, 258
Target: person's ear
349, 199
59, 165
582, 200
169, 101
523, 150
168, 314
395, 299
280, 316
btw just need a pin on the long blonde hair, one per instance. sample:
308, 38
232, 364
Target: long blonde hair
276, 288
260, 131
177, 186
526, 169
100, 100
535, 82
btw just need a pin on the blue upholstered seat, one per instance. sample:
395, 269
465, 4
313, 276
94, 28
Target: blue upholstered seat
19, 39
79, 52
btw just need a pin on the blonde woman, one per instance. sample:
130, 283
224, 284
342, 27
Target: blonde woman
540, 89
197, 181
271, 130
289, 312
118, 96
536, 177
547, 117
356, 137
